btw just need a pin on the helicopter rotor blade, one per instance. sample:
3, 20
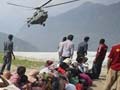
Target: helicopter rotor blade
20, 5
61, 3
43, 5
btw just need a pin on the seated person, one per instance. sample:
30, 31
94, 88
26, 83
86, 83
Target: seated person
3, 82
16, 77
6, 75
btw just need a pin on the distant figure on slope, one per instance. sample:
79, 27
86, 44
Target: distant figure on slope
8, 53
101, 53
60, 47
83, 47
67, 49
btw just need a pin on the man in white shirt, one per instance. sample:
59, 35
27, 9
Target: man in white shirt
60, 47
67, 48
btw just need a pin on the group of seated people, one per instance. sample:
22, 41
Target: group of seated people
65, 76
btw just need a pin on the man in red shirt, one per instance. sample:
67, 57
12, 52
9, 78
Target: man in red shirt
113, 68
101, 53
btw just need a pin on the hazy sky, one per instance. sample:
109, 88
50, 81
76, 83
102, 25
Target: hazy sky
13, 18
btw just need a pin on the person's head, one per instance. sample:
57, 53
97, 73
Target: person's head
21, 70
10, 37
48, 63
34, 73
102, 41
7, 74
64, 39
64, 66
86, 39
80, 60
85, 59
70, 37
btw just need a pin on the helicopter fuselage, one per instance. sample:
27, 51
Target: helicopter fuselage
39, 17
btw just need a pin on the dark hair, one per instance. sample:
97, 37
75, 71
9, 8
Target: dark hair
79, 59
64, 65
70, 37
64, 39
86, 38
102, 41
64, 78
21, 70
10, 36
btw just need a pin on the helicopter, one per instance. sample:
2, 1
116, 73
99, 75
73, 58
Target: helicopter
40, 15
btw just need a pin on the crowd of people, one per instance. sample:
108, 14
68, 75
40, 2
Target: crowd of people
68, 74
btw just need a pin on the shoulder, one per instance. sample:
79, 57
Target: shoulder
68, 86
72, 43
60, 43
103, 46
116, 45
81, 43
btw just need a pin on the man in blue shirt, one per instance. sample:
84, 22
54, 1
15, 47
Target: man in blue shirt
83, 47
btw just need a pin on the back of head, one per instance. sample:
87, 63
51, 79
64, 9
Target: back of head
48, 63
64, 65
80, 59
34, 73
64, 39
21, 70
86, 39
70, 37
10, 36
102, 41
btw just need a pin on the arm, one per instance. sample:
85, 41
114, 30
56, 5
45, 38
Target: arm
4, 83
13, 55
109, 64
12, 51
60, 50
98, 53
78, 48
85, 49
72, 50
110, 59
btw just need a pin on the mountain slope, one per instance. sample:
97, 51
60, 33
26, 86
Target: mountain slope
94, 20
19, 45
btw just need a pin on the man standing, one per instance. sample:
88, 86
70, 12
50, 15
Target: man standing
83, 47
60, 47
67, 49
8, 53
113, 68
101, 53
